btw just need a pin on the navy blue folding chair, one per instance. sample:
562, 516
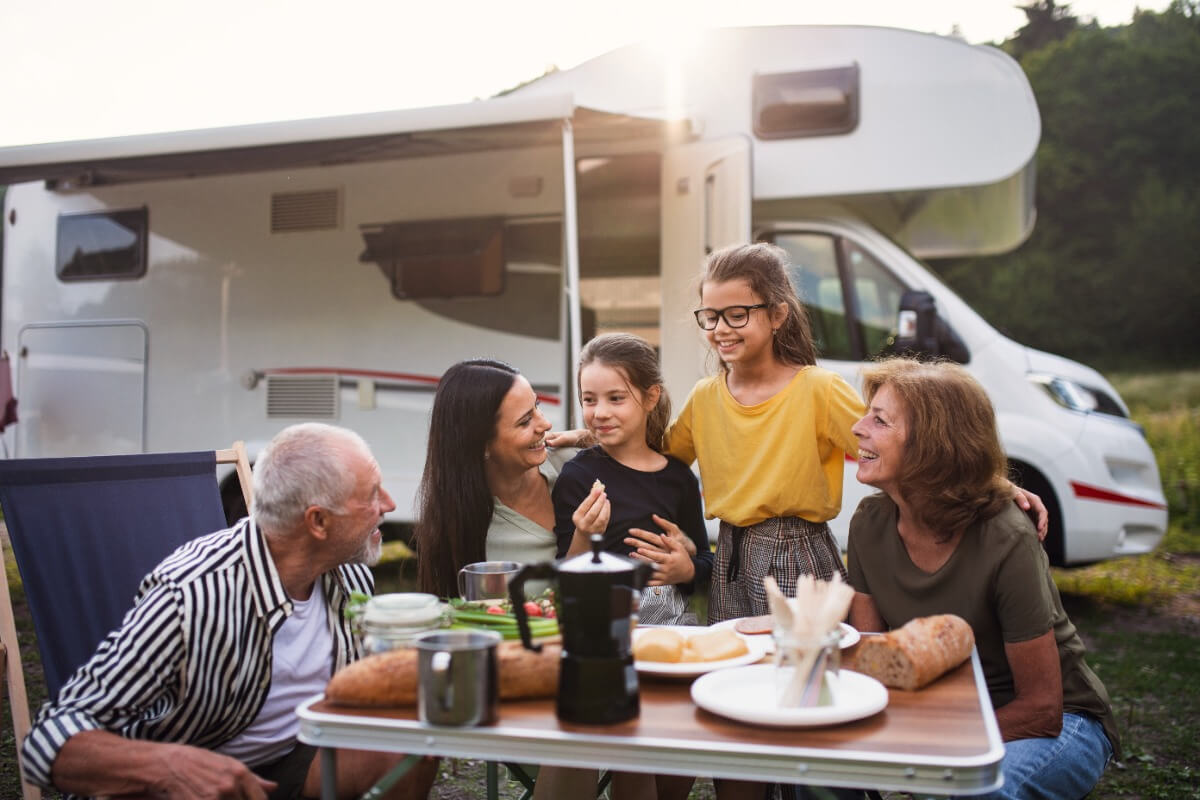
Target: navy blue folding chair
84, 532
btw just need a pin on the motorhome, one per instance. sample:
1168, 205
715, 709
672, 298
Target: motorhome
170, 291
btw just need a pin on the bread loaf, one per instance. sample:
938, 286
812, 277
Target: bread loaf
382, 680
917, 653
525, 674
390, 679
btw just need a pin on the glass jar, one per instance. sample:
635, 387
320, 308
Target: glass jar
806, 668
390, 621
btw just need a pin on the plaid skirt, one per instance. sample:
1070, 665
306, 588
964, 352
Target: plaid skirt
783, 547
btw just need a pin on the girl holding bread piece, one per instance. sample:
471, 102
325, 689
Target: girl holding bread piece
626, 409
943, 539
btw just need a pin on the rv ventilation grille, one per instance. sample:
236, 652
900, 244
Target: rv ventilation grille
316, 210
308, 397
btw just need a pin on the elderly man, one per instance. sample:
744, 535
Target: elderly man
195, 695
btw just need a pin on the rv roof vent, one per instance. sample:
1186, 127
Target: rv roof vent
314, 210
304, 396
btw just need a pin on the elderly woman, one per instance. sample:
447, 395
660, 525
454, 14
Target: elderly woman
485, 496
944, 537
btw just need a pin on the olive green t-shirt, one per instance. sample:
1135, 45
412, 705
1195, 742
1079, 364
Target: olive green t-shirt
997, 579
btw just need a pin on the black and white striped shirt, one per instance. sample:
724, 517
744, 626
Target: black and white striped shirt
191, 663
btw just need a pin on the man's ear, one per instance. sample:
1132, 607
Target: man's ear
317, 521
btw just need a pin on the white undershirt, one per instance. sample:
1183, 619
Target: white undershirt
300, 667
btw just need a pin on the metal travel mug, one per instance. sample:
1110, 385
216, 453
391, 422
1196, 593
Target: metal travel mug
459, 684
486, 580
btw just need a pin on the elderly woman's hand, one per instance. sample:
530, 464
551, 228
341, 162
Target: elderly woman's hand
670, 553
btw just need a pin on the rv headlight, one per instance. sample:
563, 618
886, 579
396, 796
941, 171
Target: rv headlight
1066, 393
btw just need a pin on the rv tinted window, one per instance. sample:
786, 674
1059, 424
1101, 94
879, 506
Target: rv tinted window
103, 245
816, 279
821, 102
439, 258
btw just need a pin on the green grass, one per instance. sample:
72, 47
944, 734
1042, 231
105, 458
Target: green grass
1140, 616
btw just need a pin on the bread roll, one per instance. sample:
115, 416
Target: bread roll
916, 654
715, 646
390, 679
658, 644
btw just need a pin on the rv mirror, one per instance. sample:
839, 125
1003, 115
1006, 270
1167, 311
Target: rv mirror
922, 333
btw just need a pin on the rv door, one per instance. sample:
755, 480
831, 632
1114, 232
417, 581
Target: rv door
705, 206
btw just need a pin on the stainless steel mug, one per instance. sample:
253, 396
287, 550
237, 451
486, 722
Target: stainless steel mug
459, 684
486, 580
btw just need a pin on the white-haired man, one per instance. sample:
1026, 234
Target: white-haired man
194, 695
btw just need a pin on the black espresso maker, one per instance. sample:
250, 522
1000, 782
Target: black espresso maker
595, 596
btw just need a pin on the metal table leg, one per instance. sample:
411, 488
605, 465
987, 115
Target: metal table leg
328, 773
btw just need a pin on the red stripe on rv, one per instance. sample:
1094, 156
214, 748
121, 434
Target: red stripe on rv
432, 380
1085, 492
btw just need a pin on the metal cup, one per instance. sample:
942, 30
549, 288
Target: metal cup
459, 684
486, 580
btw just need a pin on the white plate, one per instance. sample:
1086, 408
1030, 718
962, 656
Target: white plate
850, 635
747, 694
757, 649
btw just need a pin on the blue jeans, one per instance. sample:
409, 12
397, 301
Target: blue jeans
1063, 768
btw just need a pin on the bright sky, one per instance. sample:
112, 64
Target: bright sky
80, 69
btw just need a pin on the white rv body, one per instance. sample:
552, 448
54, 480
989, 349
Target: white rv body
279, 274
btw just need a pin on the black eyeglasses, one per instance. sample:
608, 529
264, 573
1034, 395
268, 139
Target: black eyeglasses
734, 316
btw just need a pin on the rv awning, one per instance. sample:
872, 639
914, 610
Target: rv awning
499, 123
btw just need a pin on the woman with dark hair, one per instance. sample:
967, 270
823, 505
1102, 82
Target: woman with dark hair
944, 537
485, 492
485, 496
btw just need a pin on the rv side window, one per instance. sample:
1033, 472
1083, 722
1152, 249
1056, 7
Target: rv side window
877, 294
439, 258
814, 275
105, 245
501, 275
821, 102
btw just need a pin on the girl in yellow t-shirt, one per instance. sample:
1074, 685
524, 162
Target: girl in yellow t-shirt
770, 431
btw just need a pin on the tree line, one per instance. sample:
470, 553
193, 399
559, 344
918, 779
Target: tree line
1111, 273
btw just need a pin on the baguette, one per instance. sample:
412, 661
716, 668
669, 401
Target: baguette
917, 653
387, 680
382, 680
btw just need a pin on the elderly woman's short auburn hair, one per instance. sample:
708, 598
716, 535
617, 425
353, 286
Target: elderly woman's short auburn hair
954, 470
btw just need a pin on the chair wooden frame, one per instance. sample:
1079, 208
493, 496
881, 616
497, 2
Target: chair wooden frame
10, 655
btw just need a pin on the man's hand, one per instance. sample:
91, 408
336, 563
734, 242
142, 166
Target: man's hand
101, 763
190, 772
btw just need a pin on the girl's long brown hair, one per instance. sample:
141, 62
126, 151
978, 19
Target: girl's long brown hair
764, 268
638, 362
954, 469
